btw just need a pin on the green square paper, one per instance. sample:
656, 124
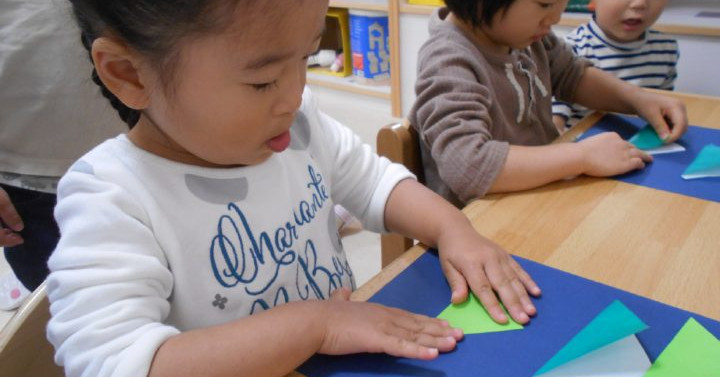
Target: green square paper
693, 352
472, 318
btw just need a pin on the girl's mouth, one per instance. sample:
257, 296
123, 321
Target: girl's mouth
280, 142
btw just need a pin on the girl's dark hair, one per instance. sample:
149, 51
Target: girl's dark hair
151, 27
477, 12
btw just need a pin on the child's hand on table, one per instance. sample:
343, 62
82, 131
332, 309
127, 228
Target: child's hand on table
353, 327
469, 259
666, 114
607, 154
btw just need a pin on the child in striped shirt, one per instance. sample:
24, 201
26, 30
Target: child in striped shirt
618, 40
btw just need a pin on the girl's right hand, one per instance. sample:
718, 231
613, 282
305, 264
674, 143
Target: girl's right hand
353, 327
607, 154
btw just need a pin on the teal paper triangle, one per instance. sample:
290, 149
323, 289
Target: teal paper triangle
646, 138
706, 162
472, 318
612, 324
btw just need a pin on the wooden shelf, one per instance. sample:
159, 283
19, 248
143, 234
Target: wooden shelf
669, 22
391, 91
416, 9
359, 4
348, 84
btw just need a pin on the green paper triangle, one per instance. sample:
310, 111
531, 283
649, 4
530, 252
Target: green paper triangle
646, 138
693, 352
612, 324
707, 161
472, 318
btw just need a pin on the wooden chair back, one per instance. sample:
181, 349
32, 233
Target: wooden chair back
399, 143
24, 348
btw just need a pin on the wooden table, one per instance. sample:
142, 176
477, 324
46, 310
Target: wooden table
653, 243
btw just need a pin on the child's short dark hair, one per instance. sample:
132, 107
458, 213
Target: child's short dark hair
477, 12
151, 27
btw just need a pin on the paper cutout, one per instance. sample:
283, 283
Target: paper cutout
624, 358
615, 322
646, 138
706, 164
472, 318
667, 148
694, 351
648, 141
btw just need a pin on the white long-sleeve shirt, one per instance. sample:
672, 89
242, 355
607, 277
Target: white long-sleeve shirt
649, 62
152, 247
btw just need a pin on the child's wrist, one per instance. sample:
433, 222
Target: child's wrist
580, 154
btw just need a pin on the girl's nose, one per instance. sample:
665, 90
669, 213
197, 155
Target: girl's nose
639, 4
291, 93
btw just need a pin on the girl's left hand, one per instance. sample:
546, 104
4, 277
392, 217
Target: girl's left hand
666, 114
469, 259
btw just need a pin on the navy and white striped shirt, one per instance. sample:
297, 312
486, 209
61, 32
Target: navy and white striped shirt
649, 62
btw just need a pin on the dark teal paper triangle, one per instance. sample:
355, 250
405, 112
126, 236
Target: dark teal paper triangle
646, 138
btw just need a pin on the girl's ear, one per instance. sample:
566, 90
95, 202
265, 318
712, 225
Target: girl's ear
120, 69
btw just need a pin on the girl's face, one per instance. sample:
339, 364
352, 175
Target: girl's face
235, 94
627, 20
521, 24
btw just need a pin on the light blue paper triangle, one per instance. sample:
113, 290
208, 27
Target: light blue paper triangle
612, 324
706, 164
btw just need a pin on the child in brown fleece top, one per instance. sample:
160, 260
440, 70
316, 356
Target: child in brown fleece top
486, 78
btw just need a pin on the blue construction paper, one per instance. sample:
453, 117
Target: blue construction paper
568, 303
665, 172
707, 163
612, 324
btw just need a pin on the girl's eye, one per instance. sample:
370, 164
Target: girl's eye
546, 5
264, 86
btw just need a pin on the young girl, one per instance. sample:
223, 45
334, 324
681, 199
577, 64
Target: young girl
204, 241
485, 83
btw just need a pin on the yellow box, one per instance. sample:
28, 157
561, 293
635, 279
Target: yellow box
427, 2
336, 37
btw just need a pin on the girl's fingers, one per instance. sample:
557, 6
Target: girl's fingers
482, 288
504, 286
457, 282
677, 119
525, 278
443, 343
520, 291
657, 120
399, 347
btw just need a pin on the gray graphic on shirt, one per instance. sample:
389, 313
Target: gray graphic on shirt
217, 191
82, 167
300, 133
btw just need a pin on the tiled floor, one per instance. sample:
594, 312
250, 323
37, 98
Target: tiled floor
365, 116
